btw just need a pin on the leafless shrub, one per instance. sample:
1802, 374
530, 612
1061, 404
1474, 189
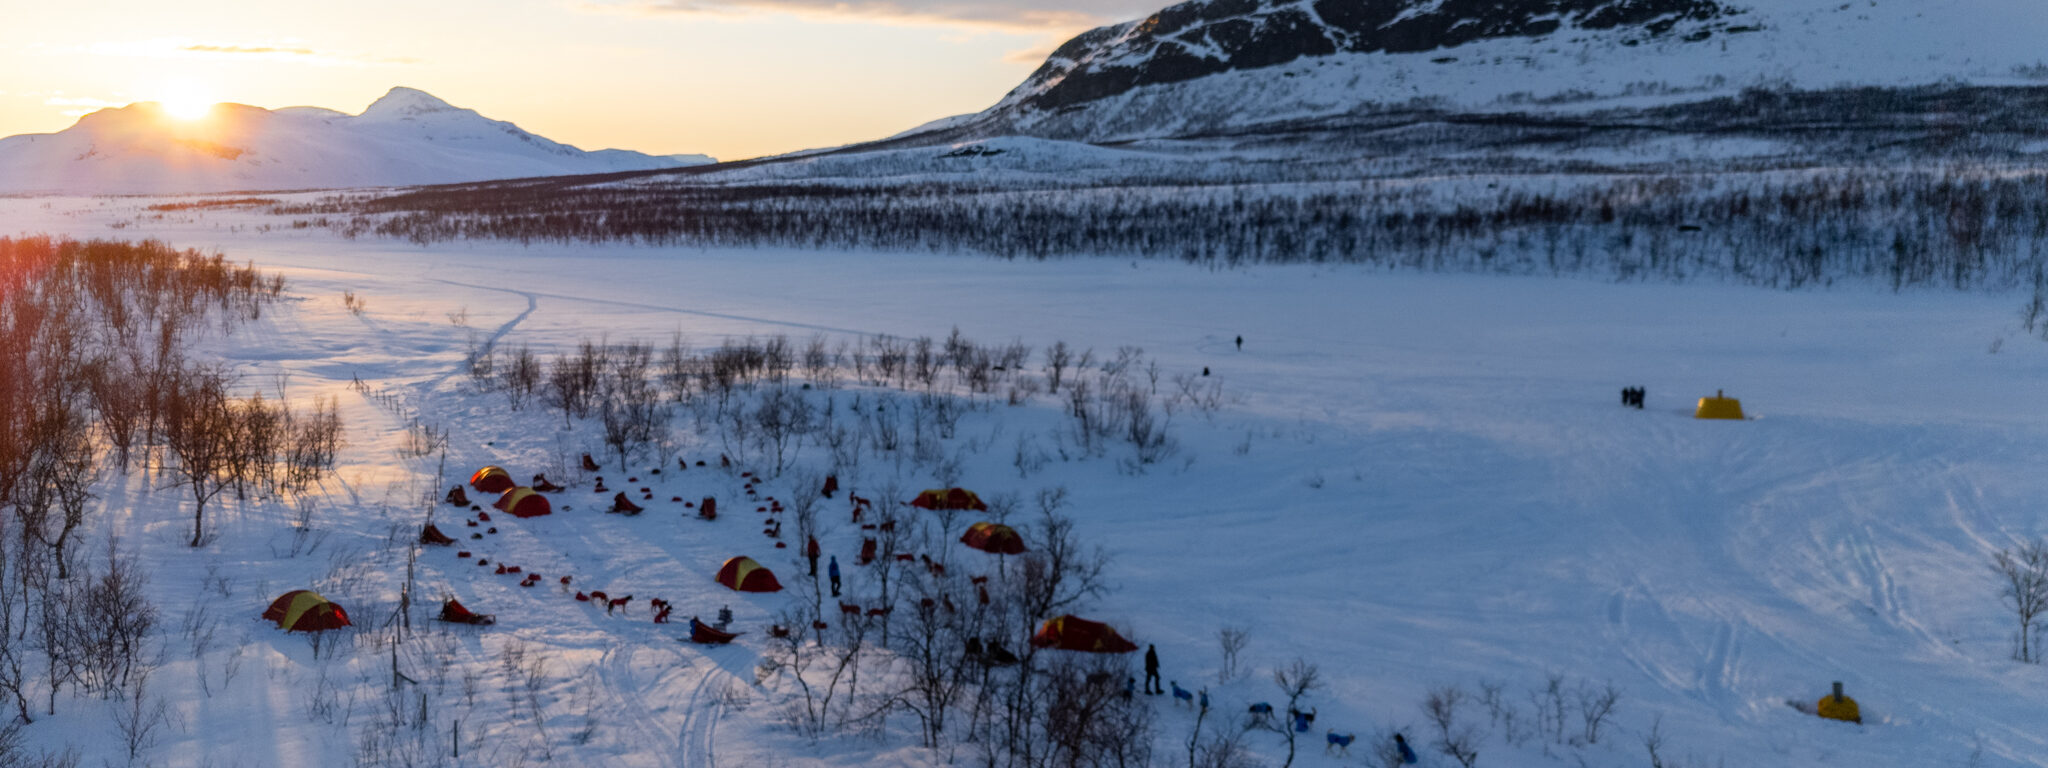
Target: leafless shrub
480, 361
1551, 714
783, 418
1457, 741
817, 362
521, 377
14, 755
1595, 705
2023, 582
422, 439
141, 720
1231, 641
200, 432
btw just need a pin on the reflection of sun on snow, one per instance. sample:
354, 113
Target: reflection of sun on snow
185, 100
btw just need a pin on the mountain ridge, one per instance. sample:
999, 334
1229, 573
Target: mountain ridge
406, 137
1220, 65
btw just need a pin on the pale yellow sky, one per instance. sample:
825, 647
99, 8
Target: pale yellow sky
729, 78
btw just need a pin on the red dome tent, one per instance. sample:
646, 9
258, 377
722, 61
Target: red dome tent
742, 574
1070, 633
994, 539
949, 498
492, 480
302, 610
524, 502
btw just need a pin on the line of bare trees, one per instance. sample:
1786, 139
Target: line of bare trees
96, 377
1954, 226
766, 401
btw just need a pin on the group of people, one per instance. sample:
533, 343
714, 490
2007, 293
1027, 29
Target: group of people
1632, 397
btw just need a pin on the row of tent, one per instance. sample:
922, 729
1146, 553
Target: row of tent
494, 479
513, 499
744, 574
303, 610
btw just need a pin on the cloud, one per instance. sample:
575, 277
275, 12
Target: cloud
1048, 16
287, 51
78, 106
258, 49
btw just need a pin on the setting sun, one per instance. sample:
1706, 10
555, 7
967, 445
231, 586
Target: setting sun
186, 100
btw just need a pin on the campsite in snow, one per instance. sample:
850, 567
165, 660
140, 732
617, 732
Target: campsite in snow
1290, 383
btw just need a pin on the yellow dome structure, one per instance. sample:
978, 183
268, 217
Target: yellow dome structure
1835, 706
1720, 406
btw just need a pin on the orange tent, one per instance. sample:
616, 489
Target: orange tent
742, 574
949, 498
524, 502
1070, 633
491, 480
302, 610
994, 539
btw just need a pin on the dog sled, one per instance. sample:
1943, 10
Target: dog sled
705, 634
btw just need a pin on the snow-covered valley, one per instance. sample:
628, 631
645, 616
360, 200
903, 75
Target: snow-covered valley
1409, 480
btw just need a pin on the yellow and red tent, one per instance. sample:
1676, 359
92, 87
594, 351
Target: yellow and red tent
742, 574
1072, 633
949, 498
303, 610
524, 502
491, 480
993, 538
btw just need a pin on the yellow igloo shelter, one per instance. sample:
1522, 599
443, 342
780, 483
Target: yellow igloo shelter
1720, 406
1835, 706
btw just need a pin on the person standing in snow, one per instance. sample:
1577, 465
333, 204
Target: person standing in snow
834, 571
1240, 343
1152, 671
811, 553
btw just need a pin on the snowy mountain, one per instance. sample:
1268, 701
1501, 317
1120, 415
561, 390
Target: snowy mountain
407, 137
1223, 65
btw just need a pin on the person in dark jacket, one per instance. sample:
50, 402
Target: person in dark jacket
1240, 343
811, 553
833, 570
1407, 755
1152, 671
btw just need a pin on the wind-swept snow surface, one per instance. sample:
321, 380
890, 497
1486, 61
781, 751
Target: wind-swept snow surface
1414, 481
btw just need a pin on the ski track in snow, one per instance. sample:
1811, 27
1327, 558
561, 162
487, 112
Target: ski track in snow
617, 304
621, 676
700, 732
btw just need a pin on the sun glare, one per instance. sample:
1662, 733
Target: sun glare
186, 100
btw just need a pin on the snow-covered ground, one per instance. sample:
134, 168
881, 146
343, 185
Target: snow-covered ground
1419, 481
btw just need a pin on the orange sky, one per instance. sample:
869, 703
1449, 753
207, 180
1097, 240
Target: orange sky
729, 78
